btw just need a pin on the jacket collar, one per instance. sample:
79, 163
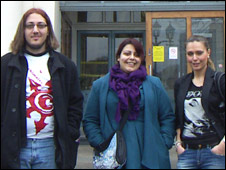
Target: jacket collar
18, 61
208, 83
184, 86
54, 62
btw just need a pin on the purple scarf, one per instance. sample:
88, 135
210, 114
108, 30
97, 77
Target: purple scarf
127, 87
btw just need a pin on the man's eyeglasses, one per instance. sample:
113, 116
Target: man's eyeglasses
39, 26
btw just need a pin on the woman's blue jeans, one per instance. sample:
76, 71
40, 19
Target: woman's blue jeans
38, 154
200, 159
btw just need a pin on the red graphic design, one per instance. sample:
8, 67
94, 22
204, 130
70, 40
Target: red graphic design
41, 101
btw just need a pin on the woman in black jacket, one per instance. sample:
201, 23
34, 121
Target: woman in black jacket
200, 140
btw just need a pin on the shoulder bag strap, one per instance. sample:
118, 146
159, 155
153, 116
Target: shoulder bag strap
101, 147
124, 118
217, 81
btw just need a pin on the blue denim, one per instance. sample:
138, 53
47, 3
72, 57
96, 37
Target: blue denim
200, 159
38, 154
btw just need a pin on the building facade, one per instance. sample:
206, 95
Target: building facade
90, 32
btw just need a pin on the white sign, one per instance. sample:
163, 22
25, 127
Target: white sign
173, 53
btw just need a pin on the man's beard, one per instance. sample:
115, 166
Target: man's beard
35, 46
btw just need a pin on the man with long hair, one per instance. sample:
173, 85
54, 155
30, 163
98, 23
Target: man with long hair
41, 100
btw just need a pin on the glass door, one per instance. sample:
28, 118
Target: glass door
166, 33
93, 60
168, 40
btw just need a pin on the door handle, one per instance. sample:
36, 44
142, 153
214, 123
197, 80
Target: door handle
149, 52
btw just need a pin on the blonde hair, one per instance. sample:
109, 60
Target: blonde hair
211, 64
202, 39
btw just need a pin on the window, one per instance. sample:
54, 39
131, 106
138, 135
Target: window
139, 16
111, 17
123, 17
90, 17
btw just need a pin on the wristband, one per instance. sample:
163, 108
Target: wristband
178, 143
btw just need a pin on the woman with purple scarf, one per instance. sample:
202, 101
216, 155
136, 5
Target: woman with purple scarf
150, 129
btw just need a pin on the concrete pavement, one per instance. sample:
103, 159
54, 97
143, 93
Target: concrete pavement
85, 156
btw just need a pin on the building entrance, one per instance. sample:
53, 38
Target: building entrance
166, 33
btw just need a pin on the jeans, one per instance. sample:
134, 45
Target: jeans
200, 159
38, 154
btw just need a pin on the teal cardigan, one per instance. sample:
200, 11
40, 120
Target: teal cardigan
159, 122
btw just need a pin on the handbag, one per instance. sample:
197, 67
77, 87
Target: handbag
111, 154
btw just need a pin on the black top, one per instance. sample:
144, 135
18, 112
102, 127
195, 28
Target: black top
198, 129
210, 101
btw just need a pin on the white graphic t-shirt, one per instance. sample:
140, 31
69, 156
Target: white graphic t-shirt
39, 99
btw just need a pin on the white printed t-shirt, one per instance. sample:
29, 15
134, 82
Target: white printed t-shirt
39, 99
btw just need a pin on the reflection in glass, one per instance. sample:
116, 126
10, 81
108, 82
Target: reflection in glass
110, 16
139, 16
94, 58
90, 17
213, 30
156, 32
118, 16
94, 17
123, 16
170, 33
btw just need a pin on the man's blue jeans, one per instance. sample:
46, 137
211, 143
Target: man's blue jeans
38, 154
200, 159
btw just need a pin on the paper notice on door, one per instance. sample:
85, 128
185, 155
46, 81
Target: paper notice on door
158, 53
173, 53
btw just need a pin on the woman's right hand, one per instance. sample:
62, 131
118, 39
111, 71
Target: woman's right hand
180, 149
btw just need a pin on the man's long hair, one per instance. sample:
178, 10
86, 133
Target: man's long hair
19, 41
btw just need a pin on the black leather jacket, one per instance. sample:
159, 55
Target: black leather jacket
68, 103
